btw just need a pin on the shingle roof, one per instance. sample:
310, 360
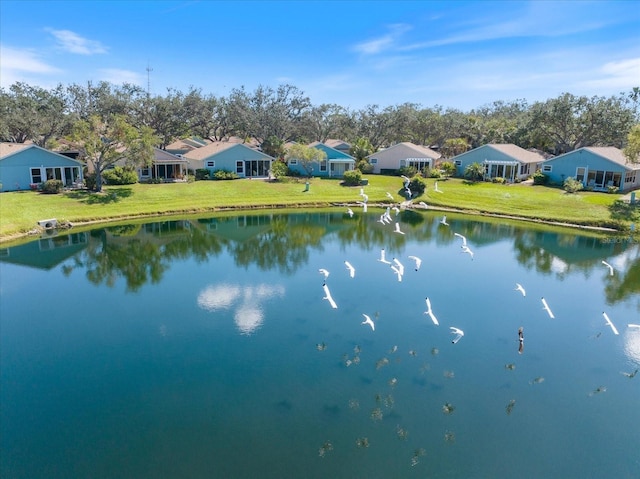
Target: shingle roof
520, 154
7, 149
610, 153
410, 150
209, 150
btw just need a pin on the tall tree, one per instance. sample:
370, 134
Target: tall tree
103, 143
31, 113
632, 150
319, 123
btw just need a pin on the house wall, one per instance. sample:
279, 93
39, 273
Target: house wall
345, 163
228, 158
485, 152
565, 166
15, 170
394, 158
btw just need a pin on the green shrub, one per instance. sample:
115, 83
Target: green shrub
571, 185
612, 189
434, 173
408, 171
293, 173
499, 179
225, 175
539, 178
365, 167
155, 181
448, 168
202, 174
90, 181
417, 186
352, 177
120, 176
279, 169
52, 187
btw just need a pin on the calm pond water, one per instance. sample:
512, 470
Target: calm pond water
204, 348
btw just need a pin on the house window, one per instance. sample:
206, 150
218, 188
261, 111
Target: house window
211, 164
580, 174
373, 161
293, 161
630, 177
323, 165
458, 162
36, 175
547, 168
144, 171
240, 167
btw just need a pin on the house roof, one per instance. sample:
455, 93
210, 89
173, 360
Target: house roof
517, 153
7, 149
409, 150
613, 154
335, 143
215, 148
187, 144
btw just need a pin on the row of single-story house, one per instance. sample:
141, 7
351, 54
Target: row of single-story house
599, 168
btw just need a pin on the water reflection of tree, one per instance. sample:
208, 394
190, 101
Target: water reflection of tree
624, 285
285, 246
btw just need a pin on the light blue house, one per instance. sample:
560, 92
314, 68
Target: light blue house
234, 157
596, 167
23, 166
334, 166
506, 161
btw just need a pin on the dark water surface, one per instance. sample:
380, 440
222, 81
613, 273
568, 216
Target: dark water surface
204, 348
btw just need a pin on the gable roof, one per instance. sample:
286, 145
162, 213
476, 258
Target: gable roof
7, 149
409, 150
337, 144
187, 144
216, 148
610, 153
332, 153
517, 153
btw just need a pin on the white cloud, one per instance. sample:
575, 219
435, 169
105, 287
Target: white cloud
384, 42
21, 64
616, 75
73, 43
118, 76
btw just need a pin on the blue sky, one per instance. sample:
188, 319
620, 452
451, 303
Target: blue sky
456, 54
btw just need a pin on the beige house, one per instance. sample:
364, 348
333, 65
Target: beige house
401, 155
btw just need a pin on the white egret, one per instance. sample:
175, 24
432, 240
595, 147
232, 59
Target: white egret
429, 312
458, 332
399, 265
417, 260
466, 249
635, 326
328, 297
608, 266
464, 238
606, 318
350, 212
390, 196
383, 258
364, 206
443, 221
423, 204
352, 270
365, 198
324, 272
361, 191
382, 219
545, 306
396, 210
521, 289
397, 230
398, 272
435, 188
406, 180
367, 320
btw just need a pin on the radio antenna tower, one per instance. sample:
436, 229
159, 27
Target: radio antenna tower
149, 70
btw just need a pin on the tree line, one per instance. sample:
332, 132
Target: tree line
271, 117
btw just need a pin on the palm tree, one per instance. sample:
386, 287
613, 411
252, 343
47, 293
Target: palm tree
474, 171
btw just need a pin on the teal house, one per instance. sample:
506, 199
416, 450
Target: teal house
334, 166
506, 161
23, 166
234, 157
596, 167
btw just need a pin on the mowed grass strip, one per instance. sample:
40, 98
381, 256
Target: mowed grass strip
20, 211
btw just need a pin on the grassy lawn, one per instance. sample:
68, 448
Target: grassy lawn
20, 211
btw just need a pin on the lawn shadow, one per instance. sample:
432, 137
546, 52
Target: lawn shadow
94, 198
620, 210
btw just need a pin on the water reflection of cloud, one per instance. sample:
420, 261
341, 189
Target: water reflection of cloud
558, 266
247, 301
632, 344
